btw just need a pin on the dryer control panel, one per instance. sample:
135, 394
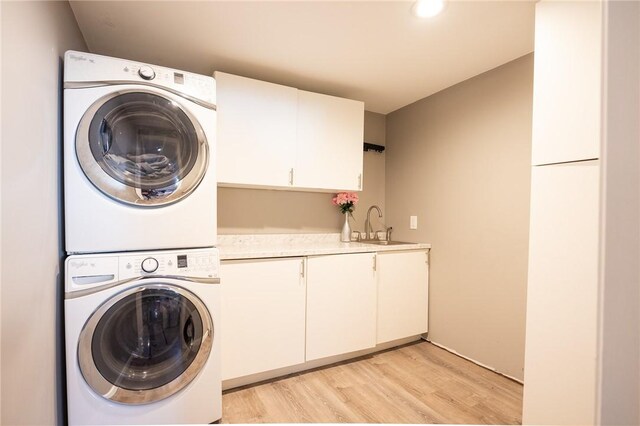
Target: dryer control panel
86, 271
81, 67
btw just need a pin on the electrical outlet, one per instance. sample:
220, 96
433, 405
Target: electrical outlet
413, 222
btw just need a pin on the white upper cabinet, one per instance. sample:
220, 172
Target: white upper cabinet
256, 131
567, 82
273, 136
330, 138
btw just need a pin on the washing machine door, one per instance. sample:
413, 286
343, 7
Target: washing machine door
142, 147
145, 343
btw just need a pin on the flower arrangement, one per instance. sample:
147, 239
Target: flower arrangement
346, 201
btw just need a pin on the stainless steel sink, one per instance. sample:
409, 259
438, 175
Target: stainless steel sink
385, 243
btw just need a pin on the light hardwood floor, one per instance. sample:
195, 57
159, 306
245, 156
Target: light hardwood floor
416, 383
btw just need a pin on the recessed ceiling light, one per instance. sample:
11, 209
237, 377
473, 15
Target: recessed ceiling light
428, 8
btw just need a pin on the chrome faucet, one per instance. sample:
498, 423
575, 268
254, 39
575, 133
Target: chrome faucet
368, 229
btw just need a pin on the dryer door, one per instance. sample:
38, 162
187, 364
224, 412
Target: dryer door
141, 147
145, 343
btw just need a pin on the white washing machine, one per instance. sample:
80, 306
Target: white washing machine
142, 340
139, 165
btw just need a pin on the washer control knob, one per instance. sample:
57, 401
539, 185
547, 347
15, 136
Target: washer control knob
146, 72
149, 265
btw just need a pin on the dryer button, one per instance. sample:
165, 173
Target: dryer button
149, 265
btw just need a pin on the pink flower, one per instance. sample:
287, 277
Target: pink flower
346, 201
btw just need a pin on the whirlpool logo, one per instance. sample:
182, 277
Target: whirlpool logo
77, 57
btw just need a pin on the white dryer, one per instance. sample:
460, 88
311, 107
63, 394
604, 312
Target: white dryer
142, 340
139, 156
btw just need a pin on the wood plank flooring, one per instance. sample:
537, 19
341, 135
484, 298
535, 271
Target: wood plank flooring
416, 383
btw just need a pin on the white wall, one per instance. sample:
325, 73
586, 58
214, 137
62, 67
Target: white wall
619, 384
1, 122
459, 160
34, 38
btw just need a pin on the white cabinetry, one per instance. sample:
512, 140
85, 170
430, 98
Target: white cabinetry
263, 315
330, 135
256, 131
341, 304
275, 136
562, 295
283, 312
561, 351
567, 86
403, 279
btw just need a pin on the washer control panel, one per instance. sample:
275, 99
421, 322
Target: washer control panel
146, 72
85, 271
187, 263
150, 264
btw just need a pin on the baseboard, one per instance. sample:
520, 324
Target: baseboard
473, 360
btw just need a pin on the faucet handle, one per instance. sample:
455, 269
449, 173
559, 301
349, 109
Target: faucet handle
389, 229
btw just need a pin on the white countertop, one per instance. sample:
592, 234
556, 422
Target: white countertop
256, 246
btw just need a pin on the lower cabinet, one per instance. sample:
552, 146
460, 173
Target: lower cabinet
403, 279
281, 312
341, 304
263, 315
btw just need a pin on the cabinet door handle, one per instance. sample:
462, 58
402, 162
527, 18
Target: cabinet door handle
302, 268
360, 181
375, 262
290, 176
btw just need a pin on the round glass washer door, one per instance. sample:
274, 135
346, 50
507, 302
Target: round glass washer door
145, 344
141, 148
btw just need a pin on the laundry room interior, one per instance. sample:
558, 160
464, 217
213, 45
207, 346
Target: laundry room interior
404, 212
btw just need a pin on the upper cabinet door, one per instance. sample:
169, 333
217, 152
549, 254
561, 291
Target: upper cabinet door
330, 138
256, 131
567, 82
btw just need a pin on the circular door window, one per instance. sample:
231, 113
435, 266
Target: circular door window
141, 148
146, 344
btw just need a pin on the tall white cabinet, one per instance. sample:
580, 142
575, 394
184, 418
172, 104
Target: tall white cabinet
560, 375
567, 87
561, 344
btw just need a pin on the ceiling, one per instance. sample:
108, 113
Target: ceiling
376, 52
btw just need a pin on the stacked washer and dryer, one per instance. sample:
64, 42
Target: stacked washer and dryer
142, 293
